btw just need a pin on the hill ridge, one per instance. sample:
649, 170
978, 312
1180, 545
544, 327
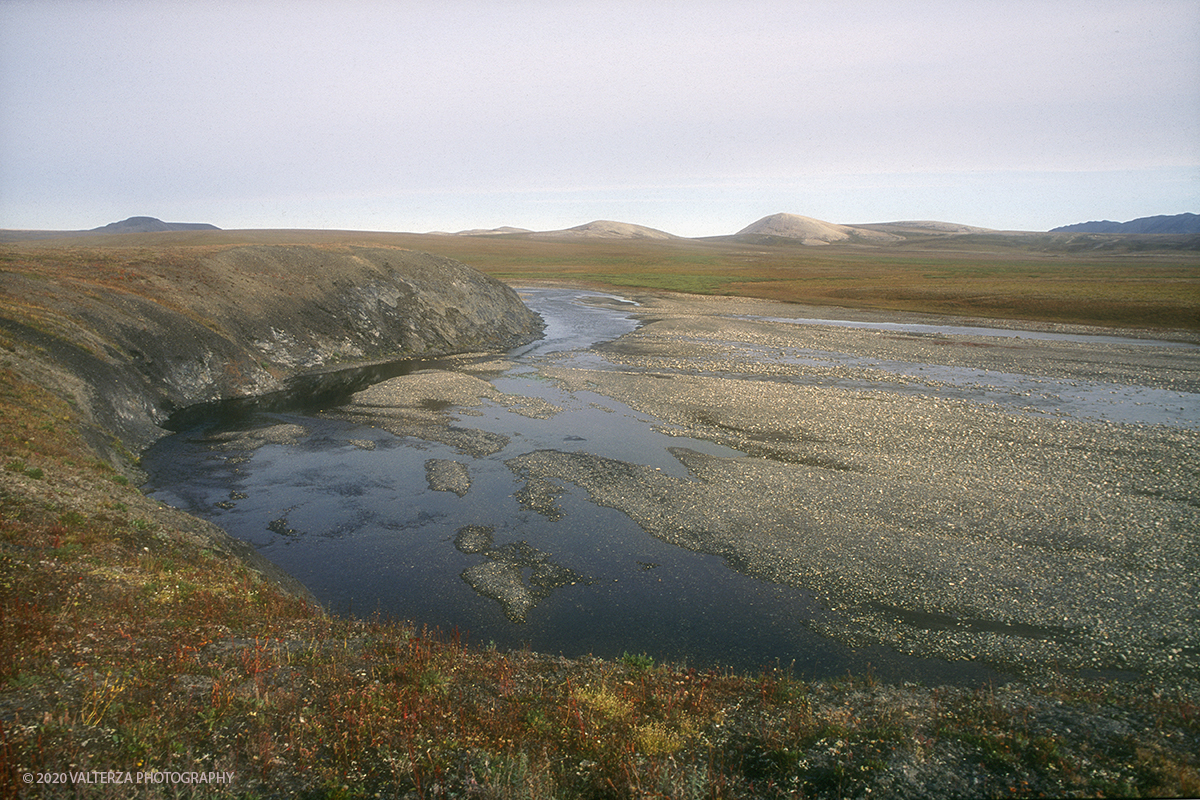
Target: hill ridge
1161, 223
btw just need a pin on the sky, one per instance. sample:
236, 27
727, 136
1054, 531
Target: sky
696, 118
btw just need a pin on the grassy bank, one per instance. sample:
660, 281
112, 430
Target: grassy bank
129, 643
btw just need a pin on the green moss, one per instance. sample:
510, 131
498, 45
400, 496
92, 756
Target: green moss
638, 662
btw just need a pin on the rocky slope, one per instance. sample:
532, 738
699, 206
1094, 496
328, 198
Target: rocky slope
132, 337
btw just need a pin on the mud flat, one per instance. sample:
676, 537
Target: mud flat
960, 519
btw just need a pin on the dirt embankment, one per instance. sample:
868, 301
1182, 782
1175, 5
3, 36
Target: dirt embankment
133, 336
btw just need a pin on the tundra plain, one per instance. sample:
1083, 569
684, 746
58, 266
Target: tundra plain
127, 641
1111, 280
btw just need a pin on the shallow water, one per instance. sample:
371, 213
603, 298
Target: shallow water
972, 330
349, 510
1082, 399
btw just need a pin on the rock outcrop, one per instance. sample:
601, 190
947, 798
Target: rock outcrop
135, 338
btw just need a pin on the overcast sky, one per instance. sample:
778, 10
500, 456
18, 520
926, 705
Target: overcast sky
693, 117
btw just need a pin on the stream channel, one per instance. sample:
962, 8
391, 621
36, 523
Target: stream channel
350, 510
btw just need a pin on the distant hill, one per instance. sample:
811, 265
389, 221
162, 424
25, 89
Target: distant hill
811, 231
1178, 223
152, 225
923, 226
607, 229
507, 229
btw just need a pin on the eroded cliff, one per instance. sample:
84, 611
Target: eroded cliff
133, 336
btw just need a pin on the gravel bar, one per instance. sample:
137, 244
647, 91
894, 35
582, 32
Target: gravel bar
936, 525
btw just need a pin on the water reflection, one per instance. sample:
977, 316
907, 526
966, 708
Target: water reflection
374, 519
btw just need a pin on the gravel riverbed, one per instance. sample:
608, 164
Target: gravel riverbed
1024, 498
928, 519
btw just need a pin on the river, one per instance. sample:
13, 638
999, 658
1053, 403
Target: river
356, 513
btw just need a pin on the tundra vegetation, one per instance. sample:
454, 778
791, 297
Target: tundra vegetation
1102, 279
129, 643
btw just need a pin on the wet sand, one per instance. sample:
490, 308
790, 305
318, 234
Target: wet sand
936, 525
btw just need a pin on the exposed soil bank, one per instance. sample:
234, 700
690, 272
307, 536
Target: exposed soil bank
133, 336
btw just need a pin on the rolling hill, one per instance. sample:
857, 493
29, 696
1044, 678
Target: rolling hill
607, 229
812, 231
